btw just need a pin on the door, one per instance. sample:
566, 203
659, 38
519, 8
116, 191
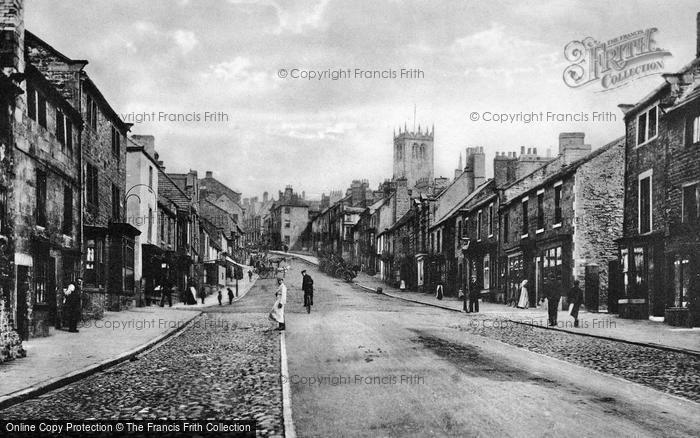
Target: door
615, 285
22, 294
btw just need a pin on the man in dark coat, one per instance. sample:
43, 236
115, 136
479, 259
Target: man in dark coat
307, 285
72, 306
575, 299
166, 294
473, 296
230, 296
553, 297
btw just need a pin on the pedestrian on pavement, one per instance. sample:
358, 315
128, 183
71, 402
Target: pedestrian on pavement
553, 297
219, 297
71, 303
575, 299
166, 294
277, 312
192, 296
474, 296
307, 285
524, 296
202, 294
439, 291
462, 296
230, 296
250, 275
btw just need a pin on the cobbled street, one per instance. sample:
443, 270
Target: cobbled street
224, 365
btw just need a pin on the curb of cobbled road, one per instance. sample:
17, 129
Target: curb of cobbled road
288, 421
607, 338
67, 379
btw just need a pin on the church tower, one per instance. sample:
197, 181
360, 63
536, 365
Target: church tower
413, 155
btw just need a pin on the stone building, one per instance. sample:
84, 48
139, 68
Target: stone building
188, 222
660, 249
560, 222
108, 241
289, 218
141, 198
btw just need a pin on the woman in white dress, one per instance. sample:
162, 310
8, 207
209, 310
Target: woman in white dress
524, 297
277, 312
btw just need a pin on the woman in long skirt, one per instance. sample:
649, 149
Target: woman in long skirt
524, 297
277, 312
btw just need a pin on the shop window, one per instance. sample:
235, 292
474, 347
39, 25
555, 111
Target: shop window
681, 282
94, 262
487, 272
41, 268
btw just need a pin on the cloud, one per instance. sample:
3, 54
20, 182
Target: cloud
294, 17
185, 39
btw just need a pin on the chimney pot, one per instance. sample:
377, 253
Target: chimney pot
522, 150
209, 174
534, 151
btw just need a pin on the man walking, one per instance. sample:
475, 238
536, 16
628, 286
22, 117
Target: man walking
553, 297
473, 296
230, 296
575, 299
166, 294
307, 285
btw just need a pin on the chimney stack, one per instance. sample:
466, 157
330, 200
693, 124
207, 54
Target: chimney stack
572, 146
12, 38
209, 174
265, 196
148, 142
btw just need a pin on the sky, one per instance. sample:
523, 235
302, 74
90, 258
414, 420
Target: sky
187, 59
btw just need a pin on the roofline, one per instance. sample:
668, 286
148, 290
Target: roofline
565, 171
457, 208
64, 58
126, 127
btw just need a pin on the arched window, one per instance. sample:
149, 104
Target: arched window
422, 151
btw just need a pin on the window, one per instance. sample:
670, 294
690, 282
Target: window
647, 126
287, 224
557, 204
116, 207
67, 210
478, 225
540, 211
41, 198
487, 272
91, 109
69, 135
693, 131
128, 267
644, 195
438, 241
490, 220
526, 225
287, 210
116, 141
60, 127
150, 224
91, 185
286, 240
41, 109
459, 232
691, 200
150, 177
162, 227
681, 280
41, 268
31, 102
506, 225
94, 262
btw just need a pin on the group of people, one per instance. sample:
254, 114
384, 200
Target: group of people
553, 296
277, 312
470, 299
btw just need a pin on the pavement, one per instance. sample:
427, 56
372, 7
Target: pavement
603, 325
64, 357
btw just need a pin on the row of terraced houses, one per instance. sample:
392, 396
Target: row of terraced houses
80, 197
622, 218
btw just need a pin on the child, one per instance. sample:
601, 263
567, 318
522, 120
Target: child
219, 297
